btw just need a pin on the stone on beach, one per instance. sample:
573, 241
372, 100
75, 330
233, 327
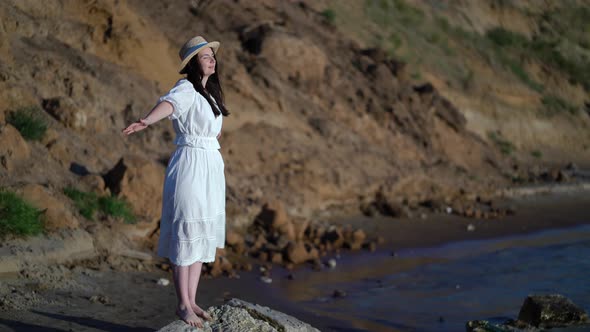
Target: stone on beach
551, 311
539, 312
240, 316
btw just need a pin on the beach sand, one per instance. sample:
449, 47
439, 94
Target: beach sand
80, 298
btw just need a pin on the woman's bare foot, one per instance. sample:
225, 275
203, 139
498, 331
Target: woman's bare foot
201, 313
188, 316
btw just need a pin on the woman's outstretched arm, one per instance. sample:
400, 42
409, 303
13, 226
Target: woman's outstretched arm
157, 113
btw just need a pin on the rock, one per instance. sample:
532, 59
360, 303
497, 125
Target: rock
538, 313
95, 183
300, 226
221, 265
276, 257
331, 263
272, 216
334, 237
67, 112
235, 241
163, 282
470, 228
61, 151
14, 149
232, 238
99, 299
299, 252
266, 280
295, 58
55, 215
371, 246
296, 252
548, 311
356, 239
139, 182
338, 293
239, 316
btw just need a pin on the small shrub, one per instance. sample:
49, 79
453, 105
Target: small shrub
29, 122
505, 146
89, 203
536, 154
116, 207
555, 105
17, 216
504, 38
86, 203
329, 15
517, 69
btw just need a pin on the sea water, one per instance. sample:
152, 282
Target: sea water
441, 288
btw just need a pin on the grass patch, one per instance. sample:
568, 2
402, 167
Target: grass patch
17, 216
505, 146
89, 203
329, 15
556, 105
517, 69
383, 12
504, 38
116, 207
536, 154
28, 122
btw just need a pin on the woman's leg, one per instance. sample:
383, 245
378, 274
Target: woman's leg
184, 307
194, 275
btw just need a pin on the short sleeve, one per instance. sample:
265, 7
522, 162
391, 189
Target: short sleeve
181, 96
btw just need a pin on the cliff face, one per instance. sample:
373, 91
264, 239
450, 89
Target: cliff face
319, 121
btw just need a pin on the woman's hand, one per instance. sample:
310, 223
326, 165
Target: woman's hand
135, 127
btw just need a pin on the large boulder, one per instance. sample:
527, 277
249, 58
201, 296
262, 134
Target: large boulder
54, 214
239, 316
538, 313
548, 311
14, 149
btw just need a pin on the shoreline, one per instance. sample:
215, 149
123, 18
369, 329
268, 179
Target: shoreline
132, 299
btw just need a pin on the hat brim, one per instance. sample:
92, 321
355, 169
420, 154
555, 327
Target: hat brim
214, 45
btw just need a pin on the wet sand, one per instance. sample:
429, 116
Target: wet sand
132, 301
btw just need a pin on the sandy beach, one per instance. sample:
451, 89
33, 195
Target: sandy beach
91, 296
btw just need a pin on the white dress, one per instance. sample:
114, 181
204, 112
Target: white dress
193, 203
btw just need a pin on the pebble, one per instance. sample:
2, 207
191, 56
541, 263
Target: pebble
163, 282
338, 293
332, 263
470, 228
449, 210
266, 280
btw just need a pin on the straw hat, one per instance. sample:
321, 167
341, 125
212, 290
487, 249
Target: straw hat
192, 47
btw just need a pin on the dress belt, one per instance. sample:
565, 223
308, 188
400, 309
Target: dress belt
203, 142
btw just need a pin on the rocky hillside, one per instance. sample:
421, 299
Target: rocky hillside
322, 119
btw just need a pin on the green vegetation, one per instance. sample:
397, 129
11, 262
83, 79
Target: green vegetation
505, 146
329, 15
428, 39
505, 38
17, 216
555, 105
29, 122
88, 203
536, 154
116, 207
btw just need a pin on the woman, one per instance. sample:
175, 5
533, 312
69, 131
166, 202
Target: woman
193, 203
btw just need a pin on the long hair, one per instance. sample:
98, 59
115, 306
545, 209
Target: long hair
194, 73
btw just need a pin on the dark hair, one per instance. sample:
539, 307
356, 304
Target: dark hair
194, 73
